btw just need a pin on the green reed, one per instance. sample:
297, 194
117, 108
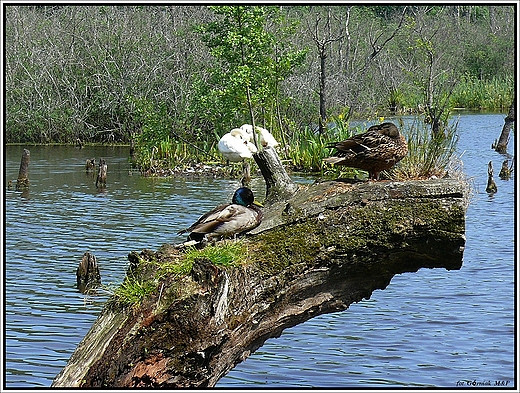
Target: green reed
428, 155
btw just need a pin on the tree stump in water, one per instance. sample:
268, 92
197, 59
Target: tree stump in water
22, 183
101, 180
491, 185
505, 171
246, 174
90, 165
87, 273
501, 145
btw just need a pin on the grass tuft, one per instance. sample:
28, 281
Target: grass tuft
429, 155
228, 253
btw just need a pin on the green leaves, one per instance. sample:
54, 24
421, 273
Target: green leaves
247, 56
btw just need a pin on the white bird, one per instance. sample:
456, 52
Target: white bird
265, 137
235, 146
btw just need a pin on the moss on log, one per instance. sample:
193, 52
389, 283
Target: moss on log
327, 246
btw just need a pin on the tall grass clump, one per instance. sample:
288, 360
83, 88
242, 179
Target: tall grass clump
307, 148
428, 155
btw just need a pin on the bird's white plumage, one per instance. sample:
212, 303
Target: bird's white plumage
265, 137
235, 146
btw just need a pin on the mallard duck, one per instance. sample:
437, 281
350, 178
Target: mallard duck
228, 220
265, 137
379, 148
235, 146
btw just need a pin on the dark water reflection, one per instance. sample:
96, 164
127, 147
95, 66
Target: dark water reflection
430, 328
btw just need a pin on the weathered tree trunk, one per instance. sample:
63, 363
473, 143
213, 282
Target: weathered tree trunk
501, 145
279, 184
87, 273
323, 105
101, 180
318, 251
491, 185
22, 183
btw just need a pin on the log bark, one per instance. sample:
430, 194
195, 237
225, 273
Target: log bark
316, 252
501, 145
22, 183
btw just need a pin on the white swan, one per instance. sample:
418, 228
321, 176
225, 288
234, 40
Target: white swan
266, 138
235, 146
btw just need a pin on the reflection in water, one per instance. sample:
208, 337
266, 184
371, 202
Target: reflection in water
430, 328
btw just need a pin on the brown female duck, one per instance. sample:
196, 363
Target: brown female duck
379, 148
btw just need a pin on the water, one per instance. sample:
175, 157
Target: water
430, 328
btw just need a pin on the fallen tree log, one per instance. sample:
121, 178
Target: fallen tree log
327, 246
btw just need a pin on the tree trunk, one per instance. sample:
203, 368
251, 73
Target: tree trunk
323, 105
501, 145
316, 252
22, 183
279, 185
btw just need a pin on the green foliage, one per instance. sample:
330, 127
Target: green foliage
471, 92
114, 73
225, 253
248, 58
307, 148
144, 280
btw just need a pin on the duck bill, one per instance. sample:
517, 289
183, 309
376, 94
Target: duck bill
255, 202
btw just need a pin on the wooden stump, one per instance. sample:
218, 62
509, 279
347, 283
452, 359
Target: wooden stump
491, 185
246, 174
501, 145
90, 165
505, 171
23, 180
279, 185
87, 273
101, 180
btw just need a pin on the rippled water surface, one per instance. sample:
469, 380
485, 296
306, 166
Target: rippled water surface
430, 328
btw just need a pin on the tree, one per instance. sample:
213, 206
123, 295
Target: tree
437, 79
251, 63
322, 44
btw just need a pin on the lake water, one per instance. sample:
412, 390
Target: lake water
431, 328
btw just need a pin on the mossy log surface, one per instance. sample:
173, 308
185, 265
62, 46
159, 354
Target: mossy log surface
329, 245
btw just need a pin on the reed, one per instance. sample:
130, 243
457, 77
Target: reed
472, 93
307, 148
428, 156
